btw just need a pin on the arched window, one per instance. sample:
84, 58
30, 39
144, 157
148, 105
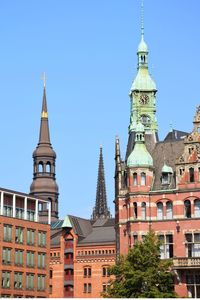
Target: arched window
135, 210
143, 179
191, 174
197, 208
134, 179
143, 211
40, 167
48, 167
187, 206
169, 210
159, 211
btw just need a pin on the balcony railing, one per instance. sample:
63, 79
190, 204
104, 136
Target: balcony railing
186, 262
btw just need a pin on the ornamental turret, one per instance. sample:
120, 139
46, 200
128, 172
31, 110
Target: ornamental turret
140, 157
44, 178
140, 163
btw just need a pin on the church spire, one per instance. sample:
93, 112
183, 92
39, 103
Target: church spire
44, 137
44, 180
101, 210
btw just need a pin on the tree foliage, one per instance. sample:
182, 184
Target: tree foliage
142, 274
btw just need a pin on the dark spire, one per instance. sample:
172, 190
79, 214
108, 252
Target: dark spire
44, 178
44, 137
101, 210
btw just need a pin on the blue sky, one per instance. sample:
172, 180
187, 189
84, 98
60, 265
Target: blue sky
88, 50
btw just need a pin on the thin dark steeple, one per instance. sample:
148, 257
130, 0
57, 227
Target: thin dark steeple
101, 210
44, 178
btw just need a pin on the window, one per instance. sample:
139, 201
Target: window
41, 282
6, 256
87, 272
7, 211
30, 259
19, 213
187, 205
105, 287
143, 179
192, 244
30, 237
40, 167
41, 239
50, 289
5, 280
143, 211
135, 210
197, 208
159, 211
191, 174
135, 239
31, 215
166, 247
87, 288
165, 179
169, 210
105, 271
51, 274
7, 233
29, 281
19, 235
193, 283
19, 257
18, 280
134, 179
41, 260
48, 167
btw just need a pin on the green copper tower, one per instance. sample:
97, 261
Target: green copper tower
143, 99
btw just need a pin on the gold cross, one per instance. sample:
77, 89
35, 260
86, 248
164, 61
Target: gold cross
44, 78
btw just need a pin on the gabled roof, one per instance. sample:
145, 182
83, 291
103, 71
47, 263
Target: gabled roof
103, 231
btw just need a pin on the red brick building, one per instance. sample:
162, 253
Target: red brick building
157, 185
24, 246
82, 250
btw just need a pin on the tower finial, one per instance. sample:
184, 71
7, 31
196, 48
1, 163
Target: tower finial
44, 78
142, 18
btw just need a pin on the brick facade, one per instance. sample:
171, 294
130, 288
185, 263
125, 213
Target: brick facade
24, 251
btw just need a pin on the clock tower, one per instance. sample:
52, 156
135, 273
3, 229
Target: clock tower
143, 100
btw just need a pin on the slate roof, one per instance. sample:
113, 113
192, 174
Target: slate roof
55, 237
103, 231
82, 227
168, 152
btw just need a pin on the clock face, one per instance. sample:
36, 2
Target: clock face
144, 99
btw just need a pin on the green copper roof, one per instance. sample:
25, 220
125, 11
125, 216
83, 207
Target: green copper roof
67, 222
167, 169
143, 81
140, 157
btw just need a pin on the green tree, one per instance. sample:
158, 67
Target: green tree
142, 274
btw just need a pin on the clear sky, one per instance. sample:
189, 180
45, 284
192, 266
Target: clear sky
88, 50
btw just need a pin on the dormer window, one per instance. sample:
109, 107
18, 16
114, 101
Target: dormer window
165, 178
166, 175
